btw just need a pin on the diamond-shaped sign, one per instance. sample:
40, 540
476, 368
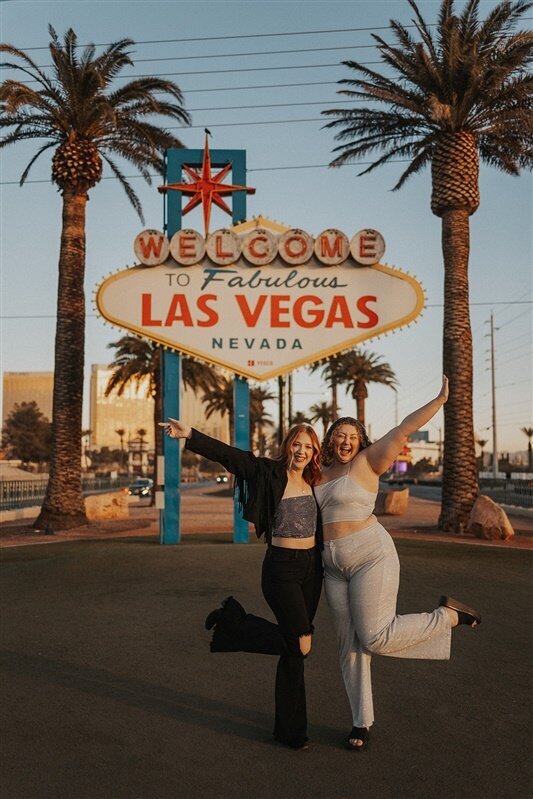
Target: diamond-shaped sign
259, 321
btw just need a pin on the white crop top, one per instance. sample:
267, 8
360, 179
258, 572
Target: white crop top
343, 500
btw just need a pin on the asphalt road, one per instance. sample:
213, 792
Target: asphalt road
110, 692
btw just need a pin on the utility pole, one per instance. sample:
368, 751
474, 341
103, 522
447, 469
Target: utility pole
493, 375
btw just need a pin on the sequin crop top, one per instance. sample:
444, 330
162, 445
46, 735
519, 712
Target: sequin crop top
343, 500
295, 517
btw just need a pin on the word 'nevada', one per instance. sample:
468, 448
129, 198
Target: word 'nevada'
260, 247
281, 310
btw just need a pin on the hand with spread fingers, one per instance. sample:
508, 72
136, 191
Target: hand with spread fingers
174, 428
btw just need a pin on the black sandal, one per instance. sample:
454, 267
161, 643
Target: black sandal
359, 734
466, 615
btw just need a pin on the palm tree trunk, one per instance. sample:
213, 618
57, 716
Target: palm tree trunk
360, 393
459, 478
334, 403
360, 409
64, 505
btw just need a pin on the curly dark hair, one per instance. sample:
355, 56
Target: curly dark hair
311, 473
327, 445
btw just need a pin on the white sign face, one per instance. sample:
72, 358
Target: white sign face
261, 321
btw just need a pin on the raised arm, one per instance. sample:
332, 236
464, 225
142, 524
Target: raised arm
383, 452
235, 460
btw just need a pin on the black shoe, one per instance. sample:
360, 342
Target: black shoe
299, 744
212, 618
466, 615
359, 734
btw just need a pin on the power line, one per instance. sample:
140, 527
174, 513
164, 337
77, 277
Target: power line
97, 316
203, 56
238, 36
257, 169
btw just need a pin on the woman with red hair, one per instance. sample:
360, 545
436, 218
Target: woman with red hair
277, 496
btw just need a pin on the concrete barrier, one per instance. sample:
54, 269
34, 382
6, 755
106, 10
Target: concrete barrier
391, 502
107, 506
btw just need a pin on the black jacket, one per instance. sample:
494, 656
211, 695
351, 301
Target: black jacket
259, 482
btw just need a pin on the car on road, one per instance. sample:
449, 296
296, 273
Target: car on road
222, 478
142, 487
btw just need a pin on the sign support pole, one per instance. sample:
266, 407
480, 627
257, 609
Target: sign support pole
170, 531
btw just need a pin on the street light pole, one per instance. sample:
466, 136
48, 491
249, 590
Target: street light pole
493, 375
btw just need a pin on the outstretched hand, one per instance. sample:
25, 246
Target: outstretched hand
444, 391
175, 429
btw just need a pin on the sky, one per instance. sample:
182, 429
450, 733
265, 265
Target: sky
258, 75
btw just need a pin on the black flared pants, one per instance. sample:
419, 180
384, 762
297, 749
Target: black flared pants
291, 583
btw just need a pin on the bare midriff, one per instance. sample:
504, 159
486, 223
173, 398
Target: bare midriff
334, 530
293, 543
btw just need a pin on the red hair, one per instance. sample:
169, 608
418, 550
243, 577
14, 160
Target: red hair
311, 473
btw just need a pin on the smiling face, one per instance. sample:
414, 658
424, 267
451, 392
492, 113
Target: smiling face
345, 443
300, 451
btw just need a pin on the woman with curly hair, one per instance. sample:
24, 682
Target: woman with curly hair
361, 564
277, 496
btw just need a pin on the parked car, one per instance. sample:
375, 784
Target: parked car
142, 487
222, 478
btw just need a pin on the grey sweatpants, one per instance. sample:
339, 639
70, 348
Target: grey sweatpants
362, 574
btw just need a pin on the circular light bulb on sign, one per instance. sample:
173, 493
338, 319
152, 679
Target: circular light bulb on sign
187, 247
151, 247
259, 247
332, 247
295, 247
223, 247
367, 247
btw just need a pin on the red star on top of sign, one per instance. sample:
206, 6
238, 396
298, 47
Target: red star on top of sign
206, 188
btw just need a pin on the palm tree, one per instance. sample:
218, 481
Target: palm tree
259, 417
75, 110
141, 432
528, 431
137, 359
456, 95
121, 433
322, 412
482, 443
220, 400
300, 418
358, 368
329, 371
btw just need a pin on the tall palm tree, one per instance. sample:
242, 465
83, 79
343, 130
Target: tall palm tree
456, 95
356, 369
322, 412
528, 431
259, 417
86, 121
482, 443
136, 359
329, 371
121, 433
142, 433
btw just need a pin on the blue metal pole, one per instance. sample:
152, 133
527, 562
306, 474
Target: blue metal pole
241, 407
171, 361
169, 518
169, 526
241, 388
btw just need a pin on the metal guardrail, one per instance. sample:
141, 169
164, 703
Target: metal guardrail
508, 492
25, 493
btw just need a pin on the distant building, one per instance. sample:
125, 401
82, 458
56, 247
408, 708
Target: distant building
19, 387
134, 410
130, 412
